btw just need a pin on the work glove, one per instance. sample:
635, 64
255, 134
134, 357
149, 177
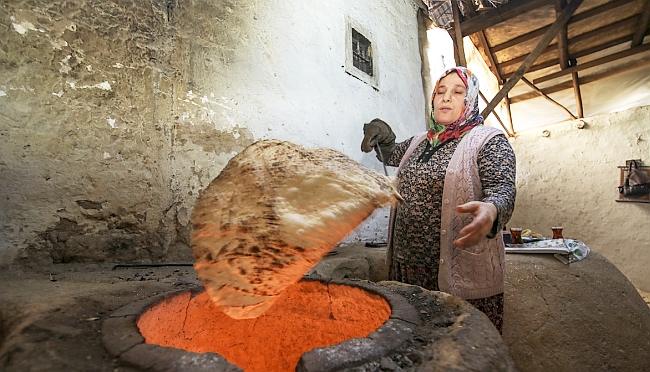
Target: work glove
378, 136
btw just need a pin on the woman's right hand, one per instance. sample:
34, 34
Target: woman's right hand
377, 132
378, 136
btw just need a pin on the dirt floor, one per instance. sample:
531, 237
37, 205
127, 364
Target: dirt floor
645, 295
51, 320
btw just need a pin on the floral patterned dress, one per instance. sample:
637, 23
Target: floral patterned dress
416, 234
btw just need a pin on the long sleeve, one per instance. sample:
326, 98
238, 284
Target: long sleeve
398, 153
497, 169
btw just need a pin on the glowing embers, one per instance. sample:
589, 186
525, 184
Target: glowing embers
309, 314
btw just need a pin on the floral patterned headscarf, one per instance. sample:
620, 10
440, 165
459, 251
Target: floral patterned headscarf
469, 117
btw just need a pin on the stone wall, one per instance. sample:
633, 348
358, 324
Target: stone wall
115, 114
570, 177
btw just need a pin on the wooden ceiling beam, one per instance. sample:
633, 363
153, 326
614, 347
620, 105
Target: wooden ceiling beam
642, 27
643, 63
579, 54
562, 40
563, 55
576, 18
559, 23
482, 40
580, 38
460, 47
596, 62
492, 17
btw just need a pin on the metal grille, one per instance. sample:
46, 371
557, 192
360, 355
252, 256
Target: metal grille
361, 52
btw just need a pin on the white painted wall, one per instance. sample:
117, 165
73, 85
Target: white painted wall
289, 82
193, 86
570, 179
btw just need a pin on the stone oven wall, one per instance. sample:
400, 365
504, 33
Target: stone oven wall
115, 114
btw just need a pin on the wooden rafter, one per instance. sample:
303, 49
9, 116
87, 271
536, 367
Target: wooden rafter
512, 125
559, 23
509, 133
642, 27
460, 48
600, 39
562, 39
595, 12
485, 45
563, 52
584, 80
583, 53
596, 62
539, 92
576, 18
603, 31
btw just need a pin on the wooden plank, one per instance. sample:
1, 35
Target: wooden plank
559, 23
642, 27
596, 62
521, 39
605, 8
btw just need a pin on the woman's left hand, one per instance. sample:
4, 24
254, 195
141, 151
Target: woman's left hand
484, 216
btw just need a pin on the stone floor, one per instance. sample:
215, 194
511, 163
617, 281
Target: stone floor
51, 320
51, 317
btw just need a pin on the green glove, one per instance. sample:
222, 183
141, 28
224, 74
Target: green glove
378, 135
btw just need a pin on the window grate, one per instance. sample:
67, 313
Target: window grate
361, 52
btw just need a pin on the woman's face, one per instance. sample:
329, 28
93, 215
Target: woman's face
449, 100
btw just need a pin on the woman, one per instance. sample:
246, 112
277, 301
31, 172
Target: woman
458, 185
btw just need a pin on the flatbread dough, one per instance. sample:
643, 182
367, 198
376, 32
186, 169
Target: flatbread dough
273, 212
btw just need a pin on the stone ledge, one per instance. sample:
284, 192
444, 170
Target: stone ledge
168, 359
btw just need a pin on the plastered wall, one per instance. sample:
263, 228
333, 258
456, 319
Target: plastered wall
570, 179
114, 115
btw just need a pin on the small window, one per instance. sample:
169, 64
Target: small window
360, 53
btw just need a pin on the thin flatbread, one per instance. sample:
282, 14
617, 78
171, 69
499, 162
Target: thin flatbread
273, 212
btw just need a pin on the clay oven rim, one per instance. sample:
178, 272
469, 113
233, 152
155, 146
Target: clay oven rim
122, 339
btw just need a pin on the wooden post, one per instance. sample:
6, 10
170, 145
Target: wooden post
537, 51
460, 47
